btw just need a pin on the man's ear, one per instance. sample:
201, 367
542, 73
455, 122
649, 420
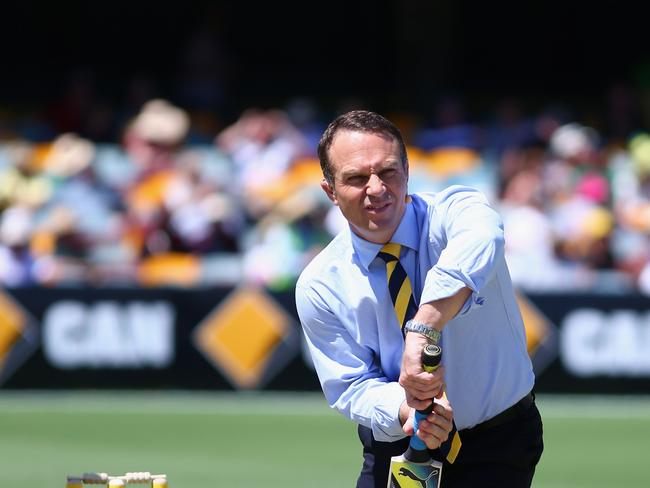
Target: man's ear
329, 191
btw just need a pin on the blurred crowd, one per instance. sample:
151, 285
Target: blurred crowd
159, 206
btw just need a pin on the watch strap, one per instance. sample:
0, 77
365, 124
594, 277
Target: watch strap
430, 333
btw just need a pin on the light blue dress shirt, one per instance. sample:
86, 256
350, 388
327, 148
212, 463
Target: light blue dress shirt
450, 240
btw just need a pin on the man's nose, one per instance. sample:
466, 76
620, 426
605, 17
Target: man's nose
375, 185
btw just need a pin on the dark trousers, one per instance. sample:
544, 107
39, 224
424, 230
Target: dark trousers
498, 456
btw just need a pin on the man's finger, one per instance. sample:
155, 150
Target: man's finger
432, 434
444, 411
442, 423
422, 378
416, 403
424, 393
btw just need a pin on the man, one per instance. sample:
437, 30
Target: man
452, 250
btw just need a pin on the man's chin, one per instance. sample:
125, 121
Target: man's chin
382, 227
380, 223
372, 232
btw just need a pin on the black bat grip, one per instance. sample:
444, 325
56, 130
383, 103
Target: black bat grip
431, 357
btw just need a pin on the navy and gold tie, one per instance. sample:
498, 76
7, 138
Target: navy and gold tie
401, 294
399, 284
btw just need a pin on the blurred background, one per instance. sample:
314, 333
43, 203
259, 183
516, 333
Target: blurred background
159, 196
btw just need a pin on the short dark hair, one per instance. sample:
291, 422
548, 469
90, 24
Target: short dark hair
356, 121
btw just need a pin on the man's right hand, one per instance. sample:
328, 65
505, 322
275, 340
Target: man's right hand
420, 387
435, 429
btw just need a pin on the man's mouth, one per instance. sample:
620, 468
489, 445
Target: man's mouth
377, 207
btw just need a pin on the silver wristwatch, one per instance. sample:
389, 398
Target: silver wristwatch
429, 332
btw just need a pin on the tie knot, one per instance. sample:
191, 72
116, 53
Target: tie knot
390, 252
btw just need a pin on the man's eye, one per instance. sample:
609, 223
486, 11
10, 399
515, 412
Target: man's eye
388, 173
355, 180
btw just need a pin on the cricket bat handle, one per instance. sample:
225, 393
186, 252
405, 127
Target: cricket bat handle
417, 451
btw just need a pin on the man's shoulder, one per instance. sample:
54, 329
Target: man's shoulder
327, 262
448, 195
449, 192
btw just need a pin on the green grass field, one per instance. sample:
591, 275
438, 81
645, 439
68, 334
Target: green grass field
211, 440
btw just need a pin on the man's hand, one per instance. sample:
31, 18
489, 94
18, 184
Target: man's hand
421, 387
435, 429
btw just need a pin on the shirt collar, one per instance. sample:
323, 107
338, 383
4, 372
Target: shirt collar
406, 235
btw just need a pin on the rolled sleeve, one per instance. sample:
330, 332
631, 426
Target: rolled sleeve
385, 423
440, 285
473, 233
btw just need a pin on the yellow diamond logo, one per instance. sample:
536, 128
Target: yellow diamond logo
18, 336
12, 323
534, 322
243, 335
541, 335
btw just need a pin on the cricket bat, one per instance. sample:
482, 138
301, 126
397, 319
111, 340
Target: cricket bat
416, 468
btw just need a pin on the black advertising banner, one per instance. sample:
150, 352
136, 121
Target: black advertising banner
218, 338
250, 338
602, 343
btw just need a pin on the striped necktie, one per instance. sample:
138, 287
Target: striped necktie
401, 294
399, 283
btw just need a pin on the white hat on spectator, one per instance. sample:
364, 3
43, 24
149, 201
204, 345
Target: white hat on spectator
69, 155
571, 140
161, 122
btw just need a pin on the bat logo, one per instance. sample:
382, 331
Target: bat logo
417, 481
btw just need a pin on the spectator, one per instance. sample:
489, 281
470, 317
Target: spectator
16, 261
529, 235
262, 145
156, 192
280, 245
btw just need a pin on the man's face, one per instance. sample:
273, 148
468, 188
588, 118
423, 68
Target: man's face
370, 183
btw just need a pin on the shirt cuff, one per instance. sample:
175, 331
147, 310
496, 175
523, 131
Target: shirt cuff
385, 423
473, 302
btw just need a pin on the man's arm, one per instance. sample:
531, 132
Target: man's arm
473, 233
350, 376
419, 385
